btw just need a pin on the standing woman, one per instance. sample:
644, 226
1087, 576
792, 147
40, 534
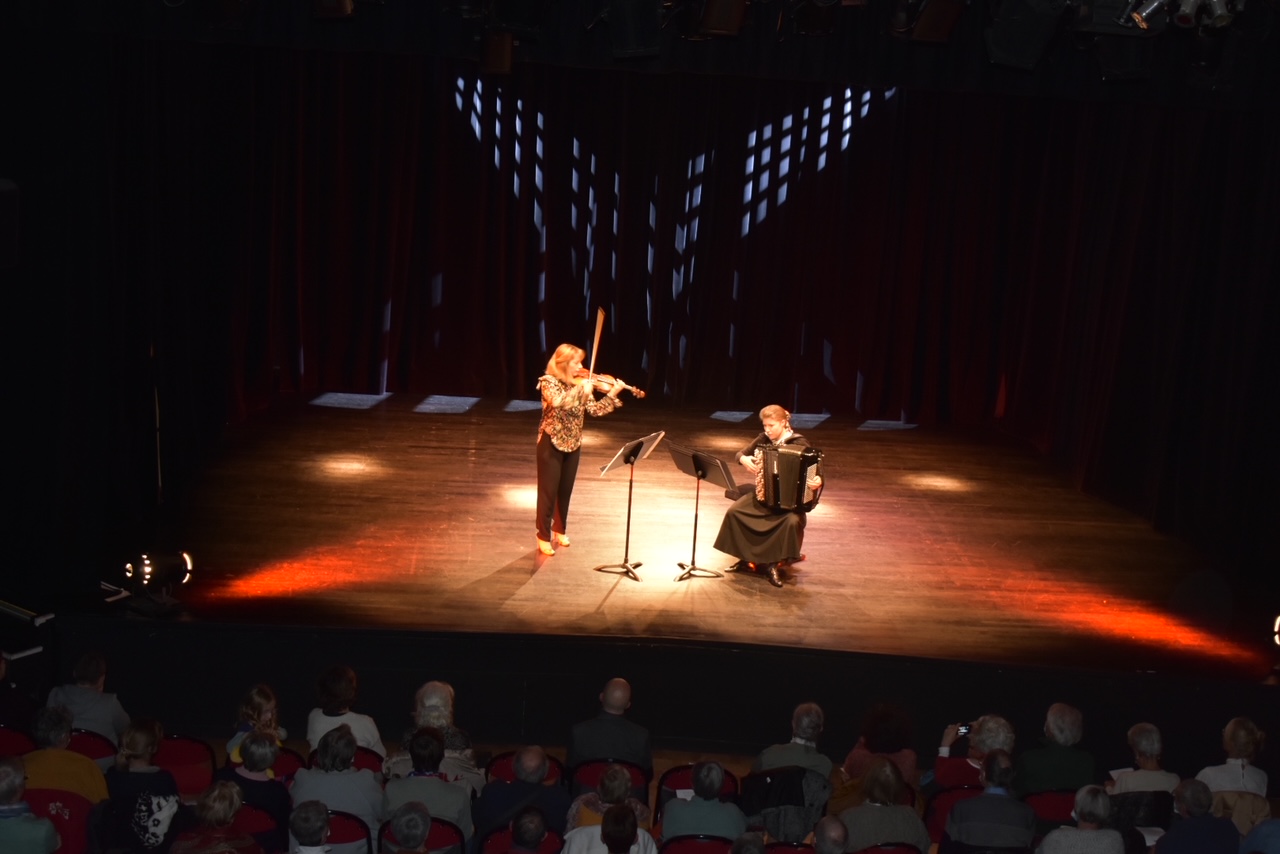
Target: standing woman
565, 399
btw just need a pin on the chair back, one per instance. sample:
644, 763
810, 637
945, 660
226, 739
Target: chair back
501, 767
191, 762
95, 745
69, 813
939, 804
498, 841
1054, 807
585, 777
786, 802
1141, 809
789, 848
697, 843
346, 827
252, 820
288, 762
679, 779
14, 742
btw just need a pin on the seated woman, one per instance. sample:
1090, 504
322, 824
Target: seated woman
215, 811
1242, 740
145, 812
258, 751
337, 694
260, 712
759, 535
887, 732
614, 788
1147, 776
882, 816
339, 785
433, 708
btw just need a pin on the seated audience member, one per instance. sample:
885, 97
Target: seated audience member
433, 707
616, 834
611, 734
19, 829
146, 811
704, 813
806, 727
614, 788
499, 800
338, 784
830, 836
215, 811
90, 706
1147, 746
886, 731
337, 694
987, 733
528, 829
1265, 838
258, 751
309, 826
748, 843
258, 712
428, 786
1059, 765
1242, 740
52, 766
1089, 835
1197, 831
882, 817
995, 818
410, 827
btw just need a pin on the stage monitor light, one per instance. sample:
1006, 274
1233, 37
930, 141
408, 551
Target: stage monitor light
1146, 11
157, 574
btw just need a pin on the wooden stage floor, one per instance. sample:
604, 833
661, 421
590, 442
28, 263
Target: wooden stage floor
927, 543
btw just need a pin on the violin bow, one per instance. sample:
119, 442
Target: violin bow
595, 344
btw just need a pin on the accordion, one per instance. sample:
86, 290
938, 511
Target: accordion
782, 480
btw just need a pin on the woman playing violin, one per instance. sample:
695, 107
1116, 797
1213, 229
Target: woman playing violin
566, 399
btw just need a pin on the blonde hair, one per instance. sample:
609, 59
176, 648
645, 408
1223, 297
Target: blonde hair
558, 364
141, 740
219, 804
255, 701
775, 412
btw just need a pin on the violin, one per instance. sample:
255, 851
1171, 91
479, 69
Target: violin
605, 384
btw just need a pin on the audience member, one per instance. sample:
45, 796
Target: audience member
215, 811
426, 785
1197, 831
614, 788
145, 811
1059, 765
610, 734
748, 843
1147, 747
336, 783
500, 800
995, 818
802, 750
882, 817
19, 829
433, 707
528, 829
886, 731
704, 813
337, 694
309, 826
52, 766
1089, 836
987, 733
258, 711
90, 706
410, 827
1263, 839
617, 834
1242, 740
830, 836
258, 751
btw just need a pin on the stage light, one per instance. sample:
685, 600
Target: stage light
1220, 13
1186, 14
1145, 11
156, 575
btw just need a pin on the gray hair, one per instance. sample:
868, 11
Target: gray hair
807, 721
1064, 724
1092, 805
1144, 738
708, 780
748, 843
433, 705
991, 732
13, 779
259, 751
51, 727
1194, 796
411, 824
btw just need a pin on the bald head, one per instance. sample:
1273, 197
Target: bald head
616, 696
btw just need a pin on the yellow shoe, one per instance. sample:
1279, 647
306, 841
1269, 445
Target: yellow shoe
546, 548
562, 539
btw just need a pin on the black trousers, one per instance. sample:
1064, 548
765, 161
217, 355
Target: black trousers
557, 471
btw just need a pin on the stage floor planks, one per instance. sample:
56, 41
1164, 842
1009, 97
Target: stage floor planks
927, 543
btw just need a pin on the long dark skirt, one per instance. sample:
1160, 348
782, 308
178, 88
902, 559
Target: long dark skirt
753, 532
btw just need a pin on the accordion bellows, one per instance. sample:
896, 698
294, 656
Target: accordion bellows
782, 479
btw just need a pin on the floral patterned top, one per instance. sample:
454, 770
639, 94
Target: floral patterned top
563, 412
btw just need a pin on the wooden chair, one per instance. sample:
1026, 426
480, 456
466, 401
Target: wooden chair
501, 767
680, 778
191, 761
69, 813
346, 827
697, 843
585, 777
498, 841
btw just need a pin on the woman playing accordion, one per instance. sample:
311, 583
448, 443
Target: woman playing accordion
765, 528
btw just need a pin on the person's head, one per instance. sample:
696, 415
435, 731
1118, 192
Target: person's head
337, 689
218, 804
90, 670
806, 721
530, 764
1193, 798
748, 843
886, 728
309, 823
1064, 724
565, 361
1242, 739
990, 732
614, 785
433, 705
51, 727
528, 829
139, 742
775, 421
259, 751
1092, 806
258, 707
426, 749
882, 782
830, 836
618, 829
997, 769
410, 825
336, 750
1144, 739
708, 780
616, 696
13, 779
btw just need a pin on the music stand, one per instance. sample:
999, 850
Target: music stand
701, 466
629, 454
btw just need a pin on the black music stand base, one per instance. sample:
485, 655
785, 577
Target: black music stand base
701, 467
693, 571
627, 569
